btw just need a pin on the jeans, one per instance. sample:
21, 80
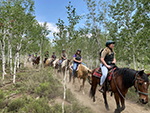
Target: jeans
104, 73
60, 62
52, 62
75, 67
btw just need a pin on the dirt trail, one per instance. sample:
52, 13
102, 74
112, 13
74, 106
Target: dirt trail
99, 106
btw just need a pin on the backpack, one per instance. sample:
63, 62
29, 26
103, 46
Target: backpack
100, 53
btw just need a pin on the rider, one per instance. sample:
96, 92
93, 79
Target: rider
63, 57
77, 59
53, 57
35, 55
107, 59
46, 56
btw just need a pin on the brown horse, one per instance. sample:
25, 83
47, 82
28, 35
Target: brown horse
82, 73
36, 61
122, 79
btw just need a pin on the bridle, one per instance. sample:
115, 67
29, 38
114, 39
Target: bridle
136, 85
135, 80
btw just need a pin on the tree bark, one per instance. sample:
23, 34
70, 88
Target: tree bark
3, 56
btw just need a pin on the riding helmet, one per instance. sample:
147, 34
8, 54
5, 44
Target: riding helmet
79, 50
109, 42
63, 50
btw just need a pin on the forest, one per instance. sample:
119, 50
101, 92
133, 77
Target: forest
126, 22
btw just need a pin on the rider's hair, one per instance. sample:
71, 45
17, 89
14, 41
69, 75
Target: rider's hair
77, 54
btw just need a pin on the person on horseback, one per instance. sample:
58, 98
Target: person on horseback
35, 55
63, 57
46, 56
107, 60
77, 59
53, 57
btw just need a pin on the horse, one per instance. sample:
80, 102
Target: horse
36, 61
56, 63
122, 79
47, 62
82, 73
64, 66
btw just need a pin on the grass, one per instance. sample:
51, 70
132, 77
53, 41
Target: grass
33, 92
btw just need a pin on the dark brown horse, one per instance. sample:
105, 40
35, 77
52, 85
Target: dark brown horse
122, 79
36, 61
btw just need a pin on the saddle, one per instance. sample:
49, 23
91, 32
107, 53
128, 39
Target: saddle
98, 73
71, 67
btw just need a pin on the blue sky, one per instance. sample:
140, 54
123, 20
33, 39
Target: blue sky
51, 10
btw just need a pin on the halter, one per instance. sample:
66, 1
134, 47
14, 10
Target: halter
135, 80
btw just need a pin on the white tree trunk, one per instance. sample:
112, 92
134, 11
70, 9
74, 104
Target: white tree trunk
15, 62
3, 56
10, 55
25, 60
134, 63
64, 84
8, 58
18, 61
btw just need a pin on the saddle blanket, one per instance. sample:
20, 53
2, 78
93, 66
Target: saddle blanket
98, 73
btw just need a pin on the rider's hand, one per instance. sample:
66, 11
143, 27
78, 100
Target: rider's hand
113, 62
79, 61
109, 67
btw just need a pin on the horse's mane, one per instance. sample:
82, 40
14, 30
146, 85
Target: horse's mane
129, 75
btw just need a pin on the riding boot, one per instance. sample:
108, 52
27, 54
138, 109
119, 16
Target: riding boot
101, 89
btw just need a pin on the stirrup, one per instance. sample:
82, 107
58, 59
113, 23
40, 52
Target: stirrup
101, 90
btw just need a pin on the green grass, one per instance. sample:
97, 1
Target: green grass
37, 90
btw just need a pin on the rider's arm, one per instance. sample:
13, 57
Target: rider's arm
114, 60
74, 59
65, 56
103, 61
104, 53
62, 56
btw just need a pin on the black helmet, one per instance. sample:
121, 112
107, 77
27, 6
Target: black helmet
109, 42
53, 52
79, 50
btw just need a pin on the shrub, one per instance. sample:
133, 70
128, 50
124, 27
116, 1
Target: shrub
16, 104
2, 99
37, 106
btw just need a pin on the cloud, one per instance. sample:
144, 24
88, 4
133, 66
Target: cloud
52, 27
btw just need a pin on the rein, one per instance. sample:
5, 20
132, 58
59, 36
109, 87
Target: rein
139, 92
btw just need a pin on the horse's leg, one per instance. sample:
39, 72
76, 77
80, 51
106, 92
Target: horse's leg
93, 87
122, 103
105, 100
80, 84
83, 85
117, 102
70, 75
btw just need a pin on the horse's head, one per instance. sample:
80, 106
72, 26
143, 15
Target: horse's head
141, 84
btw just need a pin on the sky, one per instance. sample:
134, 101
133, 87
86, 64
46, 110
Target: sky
51, 10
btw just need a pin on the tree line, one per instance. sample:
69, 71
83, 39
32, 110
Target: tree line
124, 21
20, 34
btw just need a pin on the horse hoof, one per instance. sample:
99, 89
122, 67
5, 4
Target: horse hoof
117, 111
106, 106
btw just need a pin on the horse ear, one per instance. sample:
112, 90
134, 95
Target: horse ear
148, 74
141, 72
